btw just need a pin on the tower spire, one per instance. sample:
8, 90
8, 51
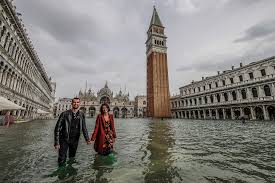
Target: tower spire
155, 20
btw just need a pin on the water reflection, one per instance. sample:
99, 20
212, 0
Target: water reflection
103, 165
67, 172
161, 140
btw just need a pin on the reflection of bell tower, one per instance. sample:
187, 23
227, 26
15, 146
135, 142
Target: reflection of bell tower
157, 71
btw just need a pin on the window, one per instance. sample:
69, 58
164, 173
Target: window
267, 90
234, 95
216, 84
225, 96
209, 86
243, 93
195, 100
200, 100
194, 90
199, 88
218, 98
190, 102
203, 87
263, 72
254, 92
144, 102
231, 80
241, 78
223, 82
205, 99
251, 76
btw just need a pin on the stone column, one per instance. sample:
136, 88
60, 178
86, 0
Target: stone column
204, 114
210, 113
223, 113
1, 74
185, 114
266, 115
217, 114
241, 111
232, 114
199, 114
261, 92
253, 116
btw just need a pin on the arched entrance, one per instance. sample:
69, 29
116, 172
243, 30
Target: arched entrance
116, 112
83, 109
271, 112
124, 112
220, 113
259, 113
201, 113
247, 113
237, 113
228, 114
92, 111
213, 113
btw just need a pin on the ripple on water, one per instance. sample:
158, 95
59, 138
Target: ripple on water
146, 150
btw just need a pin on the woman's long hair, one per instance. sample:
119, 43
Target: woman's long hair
101, 108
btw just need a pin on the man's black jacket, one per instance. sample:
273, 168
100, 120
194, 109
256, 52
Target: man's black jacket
62, 127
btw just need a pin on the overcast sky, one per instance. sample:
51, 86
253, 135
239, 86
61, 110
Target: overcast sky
99, 40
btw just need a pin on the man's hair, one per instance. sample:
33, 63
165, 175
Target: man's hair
101, 108
75, 98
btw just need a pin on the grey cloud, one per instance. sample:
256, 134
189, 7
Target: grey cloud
259, 30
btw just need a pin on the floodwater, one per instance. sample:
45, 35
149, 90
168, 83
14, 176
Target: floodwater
146, 150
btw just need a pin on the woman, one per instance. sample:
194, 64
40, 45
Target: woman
104, 132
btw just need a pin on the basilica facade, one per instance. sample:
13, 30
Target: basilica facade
247, 91
23, 79
90, 102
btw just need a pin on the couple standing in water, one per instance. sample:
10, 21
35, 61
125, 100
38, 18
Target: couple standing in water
72, 122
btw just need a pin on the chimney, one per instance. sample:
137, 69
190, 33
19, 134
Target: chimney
232, 67
241, 64
218, 72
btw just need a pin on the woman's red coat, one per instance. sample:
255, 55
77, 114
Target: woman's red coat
99, 134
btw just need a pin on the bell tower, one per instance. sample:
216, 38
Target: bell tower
158, 95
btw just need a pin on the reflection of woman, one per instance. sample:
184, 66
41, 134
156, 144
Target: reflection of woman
8, 119
104, 132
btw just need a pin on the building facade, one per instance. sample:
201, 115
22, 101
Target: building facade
23, 79
140, 106
157, 71
120, 105
247, 91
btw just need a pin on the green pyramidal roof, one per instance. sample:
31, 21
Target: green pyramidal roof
155, 20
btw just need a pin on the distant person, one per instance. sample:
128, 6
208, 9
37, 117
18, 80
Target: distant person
67, 132
104, 132
8, 119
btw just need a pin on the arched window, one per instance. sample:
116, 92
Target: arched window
234, 95
211, 99
205, 99
254, 92
225, 96
267, 90
190, 101
243, 93
218, 98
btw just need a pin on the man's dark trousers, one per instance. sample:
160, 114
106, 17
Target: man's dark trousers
64, 147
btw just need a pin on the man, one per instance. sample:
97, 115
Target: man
67, 132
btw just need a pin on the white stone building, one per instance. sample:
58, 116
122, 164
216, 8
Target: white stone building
120, 105
140, 106
23, 79
247, 91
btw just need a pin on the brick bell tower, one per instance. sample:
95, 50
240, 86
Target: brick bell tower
158, 95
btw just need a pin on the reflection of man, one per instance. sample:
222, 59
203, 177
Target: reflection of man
67, 132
